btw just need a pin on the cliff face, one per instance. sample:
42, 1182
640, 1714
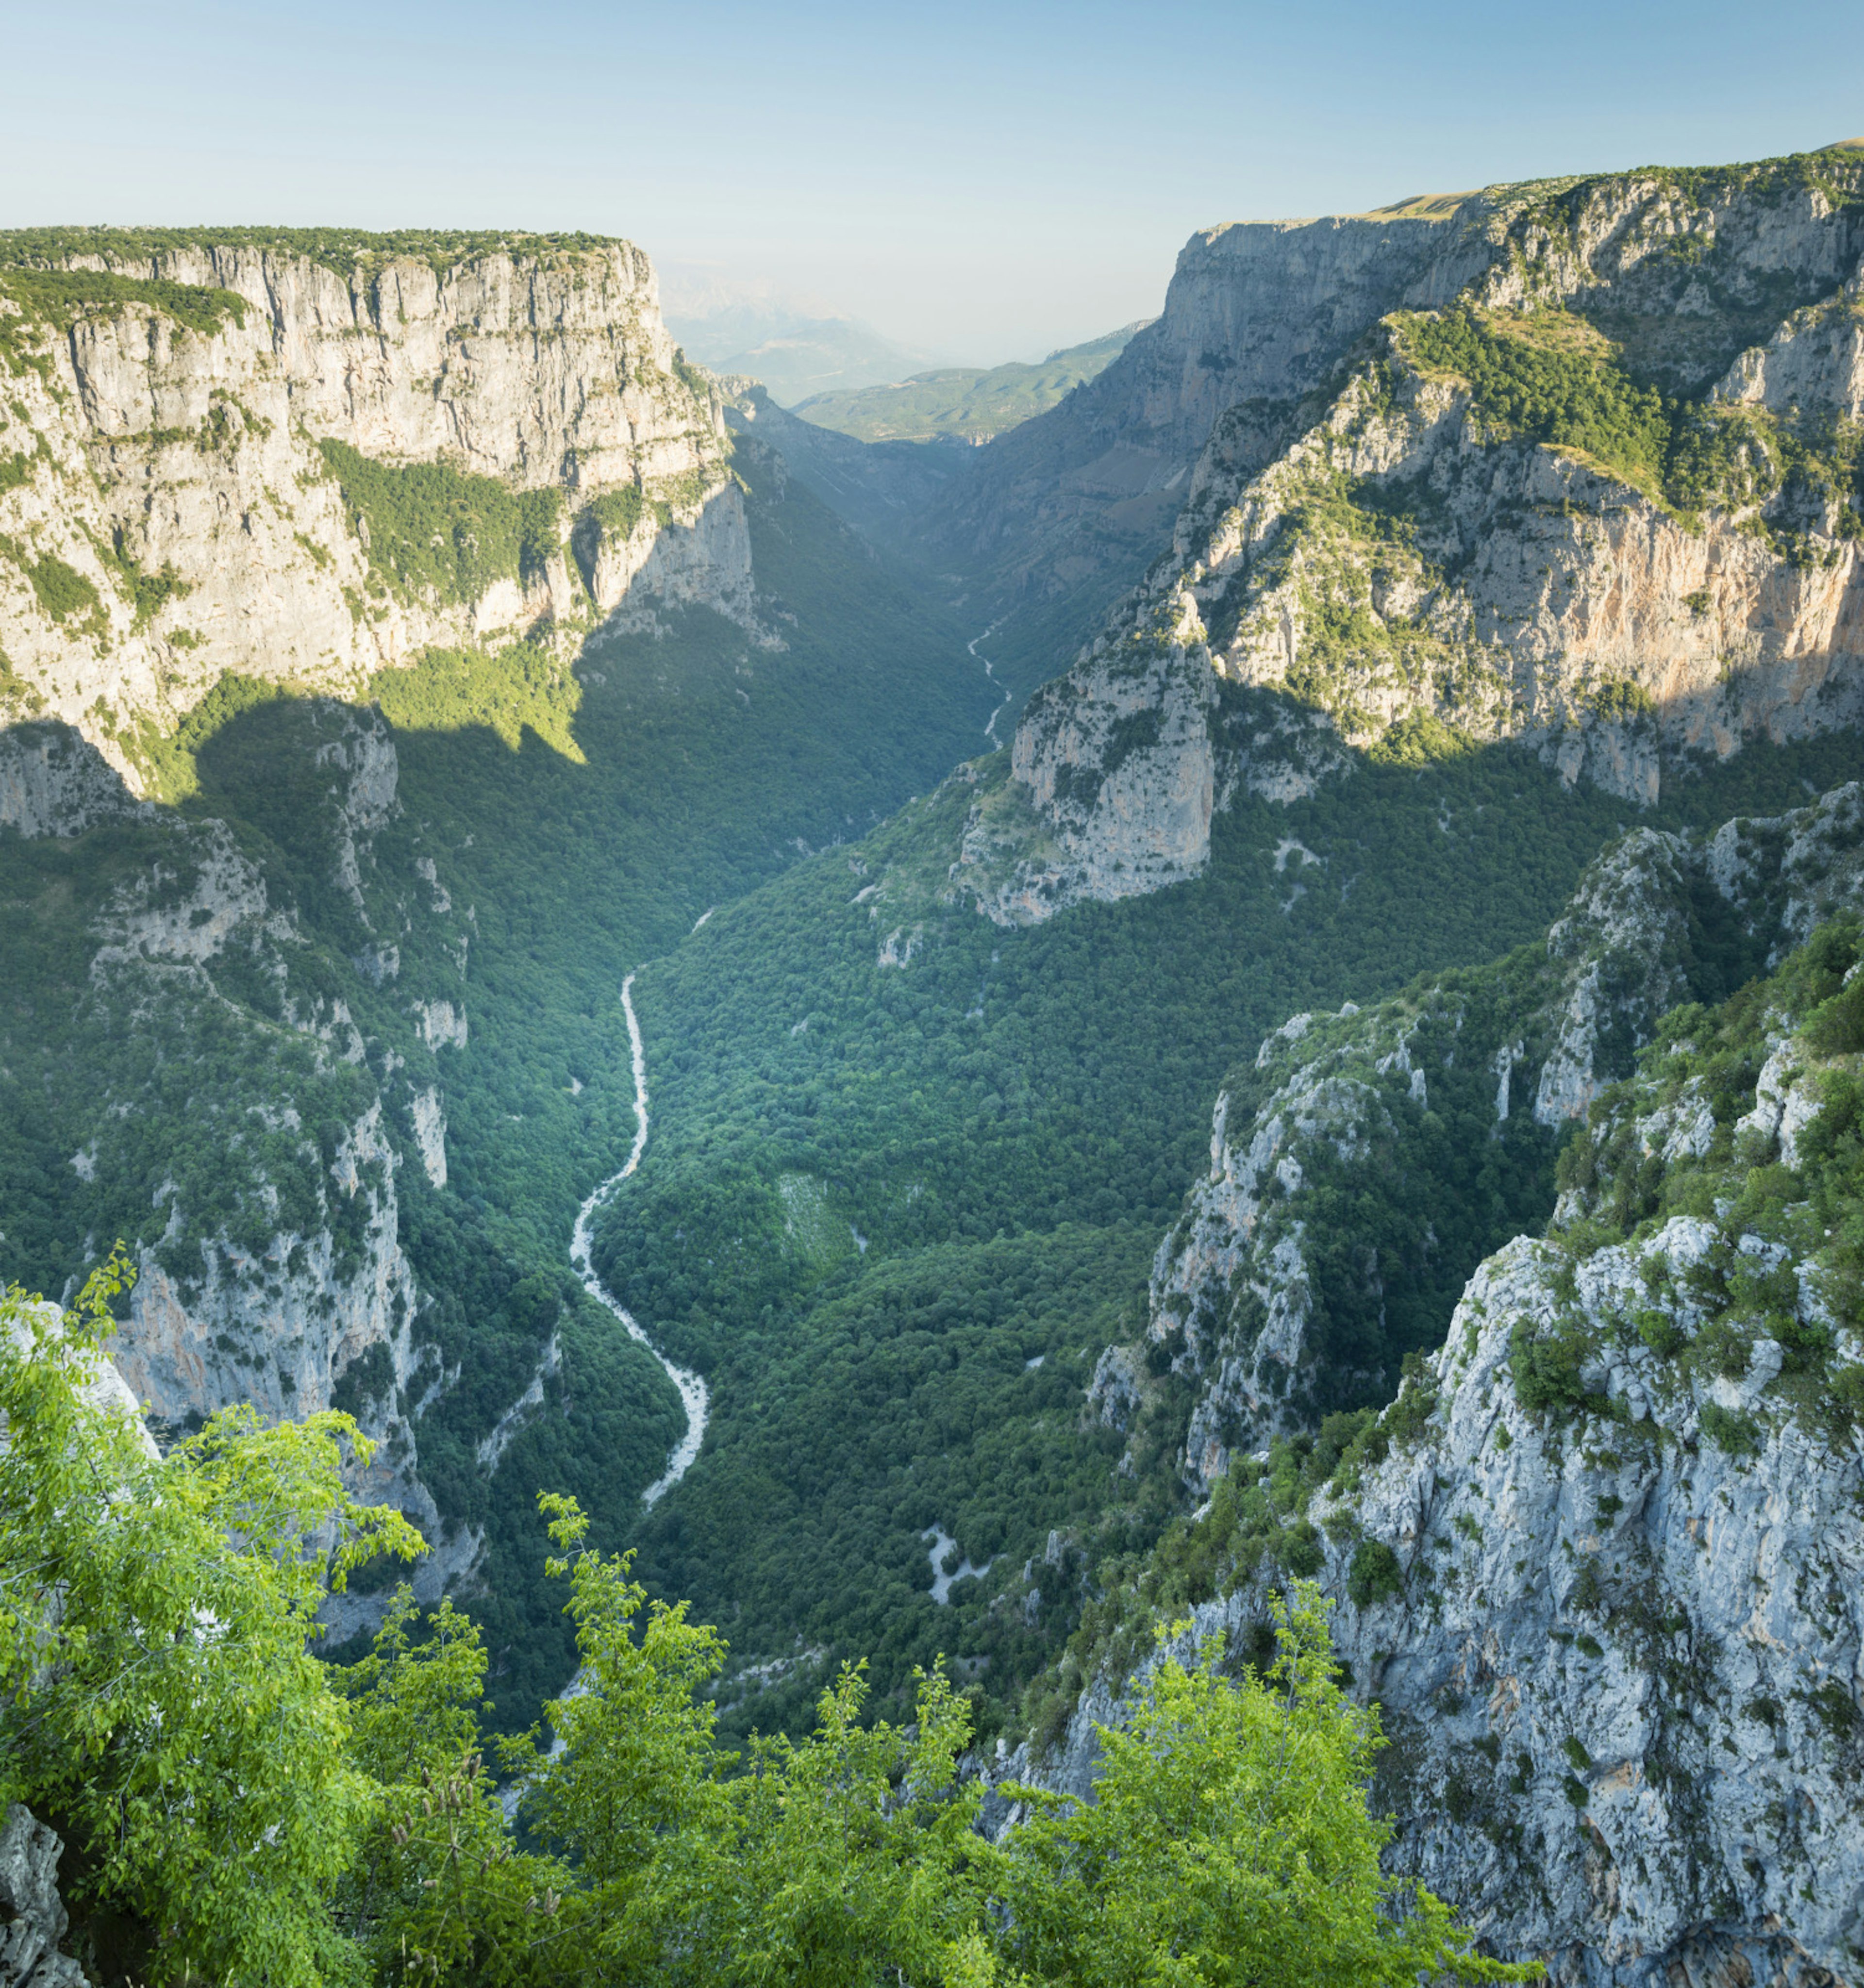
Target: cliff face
883, 489
1601, 498
1070, 507
1325, 1242
195, 1068
224, 1066
208, 448
1600, 1562
300, 460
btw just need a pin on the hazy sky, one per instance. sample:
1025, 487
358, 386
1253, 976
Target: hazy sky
991, 180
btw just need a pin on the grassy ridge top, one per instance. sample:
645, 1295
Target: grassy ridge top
967, 404
348, 251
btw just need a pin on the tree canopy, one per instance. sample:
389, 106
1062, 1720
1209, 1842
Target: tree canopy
243, 1813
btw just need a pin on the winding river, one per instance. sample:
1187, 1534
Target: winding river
692, 1388
990, 672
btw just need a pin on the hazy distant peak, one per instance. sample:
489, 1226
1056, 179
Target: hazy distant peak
794, 355
965, 404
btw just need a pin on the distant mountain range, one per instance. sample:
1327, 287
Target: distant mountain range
965, 404
795, 356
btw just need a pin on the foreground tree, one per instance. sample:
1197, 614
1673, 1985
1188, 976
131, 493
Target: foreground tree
1228, 1843
161, 1704
261, 1819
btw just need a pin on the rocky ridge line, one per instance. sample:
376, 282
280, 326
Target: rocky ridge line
1388, 565
1242, 1298
1600, 1562
169, 512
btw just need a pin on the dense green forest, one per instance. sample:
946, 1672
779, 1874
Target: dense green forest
579, 822
875, 1193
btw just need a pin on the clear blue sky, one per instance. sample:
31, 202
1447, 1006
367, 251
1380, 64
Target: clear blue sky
991, 179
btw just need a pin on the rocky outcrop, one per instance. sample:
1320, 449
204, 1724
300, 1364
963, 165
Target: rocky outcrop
1795, 871
1342, 1112
174, 512
1618, 1664
1116, 773
278, 1326
1622, 948
54, 782
249, 1117
1600, 1564
705, 563
1116, 787
1076, 502
428, 1111
1430, 549
1636, 1696
33, 1916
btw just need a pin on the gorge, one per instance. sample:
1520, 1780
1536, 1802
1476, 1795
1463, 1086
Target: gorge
1322, 1045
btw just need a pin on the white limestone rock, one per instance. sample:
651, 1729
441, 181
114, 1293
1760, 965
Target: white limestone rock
430, 1117
195, 454
1621, 1669
1540, 597
33, 1916
1232, 1290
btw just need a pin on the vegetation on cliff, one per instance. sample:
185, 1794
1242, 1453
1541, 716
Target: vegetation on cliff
1554, 376
429, 527
995, 1134
577, 817
1706, 1128
352, 253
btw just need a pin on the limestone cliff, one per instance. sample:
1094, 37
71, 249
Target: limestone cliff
302, 459
247, 1114
1600, 1562
1600, 496
1066, 511
1280, 1289
238, 459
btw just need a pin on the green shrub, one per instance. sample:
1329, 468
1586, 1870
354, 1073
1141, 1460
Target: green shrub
1571, 395
1546, 1369
1836, 1027
1418, 738
1730, 1430
1837, 1708
1661, 1333
1407, 1417
1622, 703
60, 297
1374, 1575
1299, 1551
61, 590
